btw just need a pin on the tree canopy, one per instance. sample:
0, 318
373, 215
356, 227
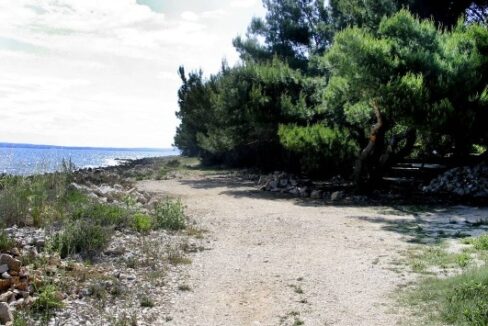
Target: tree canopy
354, 85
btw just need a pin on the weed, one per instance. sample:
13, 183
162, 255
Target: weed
175, 257
21, 318
174, 163
6, 243
422, 258
82, 237
103, 215
48, 300
479, 243
459, 300
143, 223
147, 302
297, 288
170, 215
184, 287
197, 233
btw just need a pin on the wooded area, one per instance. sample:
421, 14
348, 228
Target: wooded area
346, 88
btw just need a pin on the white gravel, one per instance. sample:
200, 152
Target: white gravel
265, 250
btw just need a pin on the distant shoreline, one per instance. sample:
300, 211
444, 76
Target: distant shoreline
36, 146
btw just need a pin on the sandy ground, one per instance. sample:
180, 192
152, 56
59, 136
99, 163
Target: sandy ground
282, 261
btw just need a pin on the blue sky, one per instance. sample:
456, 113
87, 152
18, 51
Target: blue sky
103, 72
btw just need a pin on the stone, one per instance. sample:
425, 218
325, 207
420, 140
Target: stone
3, 268
5, 297
337, 195
13, 264
6, 276
316, 194
5, 284
6, 315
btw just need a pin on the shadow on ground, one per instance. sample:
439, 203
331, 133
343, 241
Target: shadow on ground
432, 226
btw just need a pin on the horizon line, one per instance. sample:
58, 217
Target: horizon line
48, 146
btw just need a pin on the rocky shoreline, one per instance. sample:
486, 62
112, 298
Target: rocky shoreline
130, 282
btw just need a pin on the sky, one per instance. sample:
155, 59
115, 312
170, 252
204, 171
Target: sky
104, 72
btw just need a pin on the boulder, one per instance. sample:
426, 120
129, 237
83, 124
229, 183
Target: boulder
316, 194
12, 263
337, 195
6, 315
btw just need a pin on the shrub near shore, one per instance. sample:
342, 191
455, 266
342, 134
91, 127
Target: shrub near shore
78, 224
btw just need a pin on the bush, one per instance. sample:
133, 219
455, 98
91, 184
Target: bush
143, 223
48, 299
82, 237
479, 243
103, 214
170, 215
6, 243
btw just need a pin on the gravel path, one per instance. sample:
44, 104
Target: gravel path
282, 261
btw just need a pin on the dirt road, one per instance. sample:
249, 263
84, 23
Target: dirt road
282, 261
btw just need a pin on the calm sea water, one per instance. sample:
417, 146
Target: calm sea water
30, 160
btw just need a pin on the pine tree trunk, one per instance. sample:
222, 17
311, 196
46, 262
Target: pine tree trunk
366, 169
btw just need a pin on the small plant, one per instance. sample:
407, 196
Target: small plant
184, 287
174, 163
6, 243
479, 243
48, 300
103, 214
175, 257
82, 237
297, 288
170, 215
147, 302
143, 223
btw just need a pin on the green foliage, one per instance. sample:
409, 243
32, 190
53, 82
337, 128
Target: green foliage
6, 243
103, 214
170, 215
143, 223
82, 237
321, 147
48, 300
479, 243
326, 72
459, 300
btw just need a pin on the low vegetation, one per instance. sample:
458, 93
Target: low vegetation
80, 227
455, 288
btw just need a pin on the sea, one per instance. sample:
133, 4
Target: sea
26, 159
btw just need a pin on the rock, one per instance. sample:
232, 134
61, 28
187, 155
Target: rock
316, 194
3, 268
5, 297
6, 276
303, 191
337, 195
12, 263
5, 313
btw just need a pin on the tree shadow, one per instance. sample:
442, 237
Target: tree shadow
433, 226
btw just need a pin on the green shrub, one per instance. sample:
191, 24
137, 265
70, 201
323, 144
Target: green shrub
82, 237
174, 163
170, 215
103, 214
459, 300
143, 223
480, 243
48, 300
6, 243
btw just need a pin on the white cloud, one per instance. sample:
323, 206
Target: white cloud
189, 15
244, 3
102, 72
